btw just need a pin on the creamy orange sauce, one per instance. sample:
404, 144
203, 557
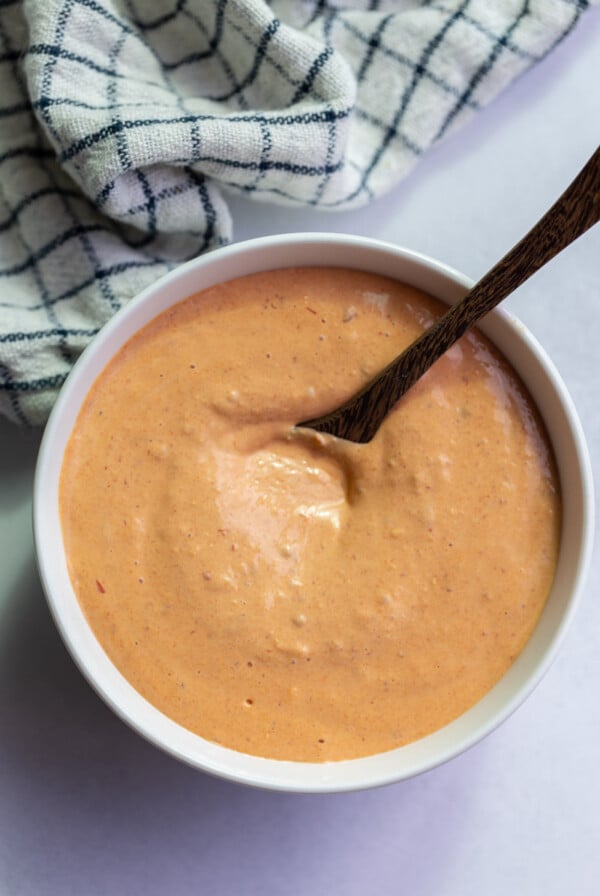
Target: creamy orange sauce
292, 595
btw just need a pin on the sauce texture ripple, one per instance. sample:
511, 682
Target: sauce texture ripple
288, 594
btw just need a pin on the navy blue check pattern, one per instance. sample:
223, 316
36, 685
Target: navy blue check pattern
125, 123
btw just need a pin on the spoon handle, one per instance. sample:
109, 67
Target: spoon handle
577, 209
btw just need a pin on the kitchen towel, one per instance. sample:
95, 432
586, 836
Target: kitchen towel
124, 124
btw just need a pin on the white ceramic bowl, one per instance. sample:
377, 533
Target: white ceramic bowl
566, 436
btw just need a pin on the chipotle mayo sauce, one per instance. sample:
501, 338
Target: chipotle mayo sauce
288, 594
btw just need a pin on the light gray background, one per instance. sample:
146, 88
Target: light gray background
87, 807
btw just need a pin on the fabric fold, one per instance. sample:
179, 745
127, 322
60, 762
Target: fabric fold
124, 125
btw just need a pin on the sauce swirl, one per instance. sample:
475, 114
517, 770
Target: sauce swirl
285, 593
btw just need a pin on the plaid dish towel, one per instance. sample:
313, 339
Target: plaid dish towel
124, 123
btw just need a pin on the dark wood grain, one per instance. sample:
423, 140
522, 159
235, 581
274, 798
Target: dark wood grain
571, 215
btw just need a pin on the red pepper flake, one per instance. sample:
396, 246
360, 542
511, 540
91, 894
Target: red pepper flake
100, 587
312, 310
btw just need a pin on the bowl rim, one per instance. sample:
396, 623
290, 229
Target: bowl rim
345, 775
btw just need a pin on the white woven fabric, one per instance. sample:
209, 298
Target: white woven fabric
123, 124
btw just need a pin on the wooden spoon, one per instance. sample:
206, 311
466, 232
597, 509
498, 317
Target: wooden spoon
359, 418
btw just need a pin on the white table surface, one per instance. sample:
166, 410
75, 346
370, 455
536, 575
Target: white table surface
87, 807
